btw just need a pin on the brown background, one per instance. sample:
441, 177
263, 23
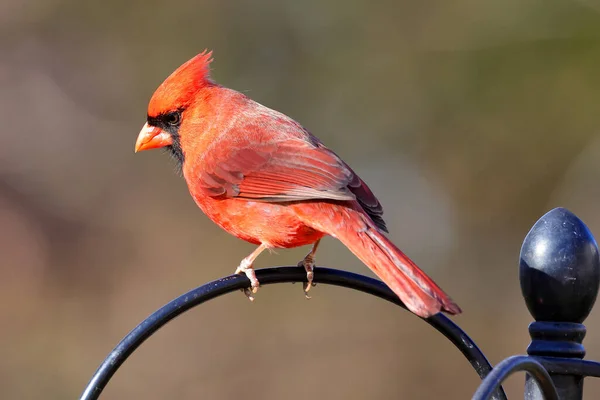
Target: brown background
469, 119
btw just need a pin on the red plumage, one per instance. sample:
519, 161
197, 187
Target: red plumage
262, 177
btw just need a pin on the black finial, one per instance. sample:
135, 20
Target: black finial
560, 275
559, 268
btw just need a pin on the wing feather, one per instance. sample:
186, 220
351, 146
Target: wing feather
290, 169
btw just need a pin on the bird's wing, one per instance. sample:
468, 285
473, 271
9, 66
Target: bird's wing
288, 170
291, 169
367, 200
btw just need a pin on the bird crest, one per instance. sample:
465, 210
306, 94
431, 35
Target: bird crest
178, 90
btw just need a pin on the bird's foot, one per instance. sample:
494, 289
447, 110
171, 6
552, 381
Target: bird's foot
309, 265
246, 268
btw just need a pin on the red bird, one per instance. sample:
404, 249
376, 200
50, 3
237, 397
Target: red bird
263, 178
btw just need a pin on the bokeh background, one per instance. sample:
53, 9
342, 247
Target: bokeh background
469, 119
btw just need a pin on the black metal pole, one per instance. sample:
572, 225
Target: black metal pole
560, 277
269, 276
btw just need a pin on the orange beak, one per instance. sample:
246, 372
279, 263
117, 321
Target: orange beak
151, 137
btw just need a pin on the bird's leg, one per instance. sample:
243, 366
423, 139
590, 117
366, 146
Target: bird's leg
246, 267
309, 265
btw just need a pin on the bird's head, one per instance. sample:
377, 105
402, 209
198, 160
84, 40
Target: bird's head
168, 105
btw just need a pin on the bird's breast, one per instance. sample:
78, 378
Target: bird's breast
273, 224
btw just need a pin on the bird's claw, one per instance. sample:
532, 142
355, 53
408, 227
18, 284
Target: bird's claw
245, 268
248, 293
309, 265
306, 287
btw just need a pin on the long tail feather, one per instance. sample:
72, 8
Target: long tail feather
417, 291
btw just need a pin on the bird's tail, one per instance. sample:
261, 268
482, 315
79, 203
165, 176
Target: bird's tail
417, 291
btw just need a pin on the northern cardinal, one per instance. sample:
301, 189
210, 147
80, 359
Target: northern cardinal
263, 178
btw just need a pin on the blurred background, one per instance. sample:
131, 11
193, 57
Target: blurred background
469, 119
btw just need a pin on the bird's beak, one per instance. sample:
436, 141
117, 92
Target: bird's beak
151, 137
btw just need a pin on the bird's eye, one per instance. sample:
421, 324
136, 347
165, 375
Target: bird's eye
173, 118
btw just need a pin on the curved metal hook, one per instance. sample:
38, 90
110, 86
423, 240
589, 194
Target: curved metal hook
269, 276
514, 364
